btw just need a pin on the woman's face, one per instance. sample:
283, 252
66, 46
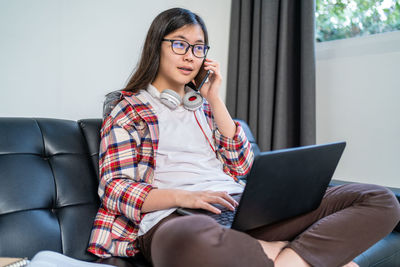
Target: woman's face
177, 70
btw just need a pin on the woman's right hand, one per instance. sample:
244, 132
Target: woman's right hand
204, 199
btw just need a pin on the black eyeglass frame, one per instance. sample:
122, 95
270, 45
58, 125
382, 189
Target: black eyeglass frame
187, 48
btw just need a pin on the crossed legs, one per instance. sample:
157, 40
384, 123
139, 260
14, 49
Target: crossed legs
350, 219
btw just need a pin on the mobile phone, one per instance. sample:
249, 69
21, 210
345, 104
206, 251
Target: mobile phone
200, 78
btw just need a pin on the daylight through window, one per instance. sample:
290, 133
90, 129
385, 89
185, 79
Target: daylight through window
338, 19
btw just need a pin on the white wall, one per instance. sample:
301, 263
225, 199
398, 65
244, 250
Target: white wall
358, 100
58, 58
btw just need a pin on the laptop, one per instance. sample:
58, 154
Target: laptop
281, 184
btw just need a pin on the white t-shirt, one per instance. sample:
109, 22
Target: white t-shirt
184, 159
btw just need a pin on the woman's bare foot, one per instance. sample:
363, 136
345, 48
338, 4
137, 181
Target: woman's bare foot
272, 249
351, 264
287, 257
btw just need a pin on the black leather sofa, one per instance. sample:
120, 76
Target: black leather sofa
48, 191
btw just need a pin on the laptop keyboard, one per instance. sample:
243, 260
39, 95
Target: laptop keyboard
225, 218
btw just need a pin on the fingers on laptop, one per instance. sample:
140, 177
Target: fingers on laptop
221, 198
228, 198
211, 208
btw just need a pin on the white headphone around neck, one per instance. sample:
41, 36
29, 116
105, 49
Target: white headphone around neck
192, 100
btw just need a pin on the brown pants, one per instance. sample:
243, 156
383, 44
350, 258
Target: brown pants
350, 219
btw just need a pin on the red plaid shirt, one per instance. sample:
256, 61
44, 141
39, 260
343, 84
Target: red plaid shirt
129, 141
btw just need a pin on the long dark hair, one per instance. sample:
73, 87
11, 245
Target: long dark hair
165, 23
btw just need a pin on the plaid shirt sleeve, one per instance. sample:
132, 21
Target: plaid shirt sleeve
121, 190
235, 152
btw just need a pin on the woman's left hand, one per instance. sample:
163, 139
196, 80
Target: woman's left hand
210, 89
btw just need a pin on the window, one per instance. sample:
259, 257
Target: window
338, 19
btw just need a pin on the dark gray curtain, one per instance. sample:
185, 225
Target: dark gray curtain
271, 70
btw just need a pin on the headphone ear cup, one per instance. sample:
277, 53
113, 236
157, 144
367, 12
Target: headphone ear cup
170, 98
192, 101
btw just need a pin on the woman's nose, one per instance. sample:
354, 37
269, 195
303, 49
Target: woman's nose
189, 55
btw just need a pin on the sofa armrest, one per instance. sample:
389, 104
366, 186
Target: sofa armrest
396, 192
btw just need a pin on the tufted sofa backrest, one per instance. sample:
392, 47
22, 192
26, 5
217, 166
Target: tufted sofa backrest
91, 130
48, 188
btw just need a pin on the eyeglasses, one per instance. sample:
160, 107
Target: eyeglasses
180, 47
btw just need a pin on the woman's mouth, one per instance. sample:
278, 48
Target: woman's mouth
185, 71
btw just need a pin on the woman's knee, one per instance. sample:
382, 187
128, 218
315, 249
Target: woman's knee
392, 203
183, 236
198, 241
382, 199
185, 229
380, 194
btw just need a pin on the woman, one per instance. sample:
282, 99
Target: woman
157, 154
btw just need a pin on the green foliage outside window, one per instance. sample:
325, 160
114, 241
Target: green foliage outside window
338, 19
